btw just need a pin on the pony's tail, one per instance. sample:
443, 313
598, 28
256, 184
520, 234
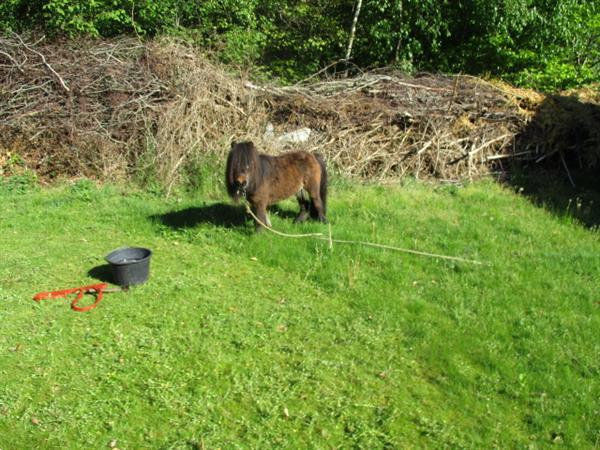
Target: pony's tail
323, 185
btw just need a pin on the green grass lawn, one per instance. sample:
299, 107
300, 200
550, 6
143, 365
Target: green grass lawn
256, 341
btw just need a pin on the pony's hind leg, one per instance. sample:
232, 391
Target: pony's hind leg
317, 189
316, 209
304, 203
317, 204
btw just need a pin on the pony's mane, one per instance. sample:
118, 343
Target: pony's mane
244, 157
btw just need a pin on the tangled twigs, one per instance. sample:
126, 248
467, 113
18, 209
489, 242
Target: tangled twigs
62, 82
386, 125
164, 108
97, 128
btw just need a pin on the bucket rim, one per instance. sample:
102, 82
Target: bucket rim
147, 255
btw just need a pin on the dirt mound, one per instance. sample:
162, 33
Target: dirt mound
111, 109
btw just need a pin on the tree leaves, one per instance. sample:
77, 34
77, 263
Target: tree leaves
547, 44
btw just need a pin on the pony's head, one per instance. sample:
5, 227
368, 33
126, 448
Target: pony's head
241, 171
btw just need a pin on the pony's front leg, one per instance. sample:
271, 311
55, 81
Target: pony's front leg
260, 211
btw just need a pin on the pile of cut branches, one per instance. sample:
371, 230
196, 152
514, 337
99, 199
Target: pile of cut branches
114, 109
118, 108
75, 108
388, 125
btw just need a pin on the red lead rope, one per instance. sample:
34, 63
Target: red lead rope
97, 288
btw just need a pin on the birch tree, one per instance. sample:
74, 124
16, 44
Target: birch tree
353, 30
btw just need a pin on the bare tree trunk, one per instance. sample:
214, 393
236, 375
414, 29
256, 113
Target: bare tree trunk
398, 46
399, 43
353, 30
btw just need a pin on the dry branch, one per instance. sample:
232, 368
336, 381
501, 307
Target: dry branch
162, 107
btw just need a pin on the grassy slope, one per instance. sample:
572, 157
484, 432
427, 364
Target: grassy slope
241, 340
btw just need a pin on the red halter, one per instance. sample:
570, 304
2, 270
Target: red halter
98, 289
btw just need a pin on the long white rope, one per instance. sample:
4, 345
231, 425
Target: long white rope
319, 236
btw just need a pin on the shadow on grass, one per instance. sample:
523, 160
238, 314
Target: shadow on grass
553, 191
284, 213
102, 273
218, 214
561, 162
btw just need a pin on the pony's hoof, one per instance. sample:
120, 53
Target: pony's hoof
301, 218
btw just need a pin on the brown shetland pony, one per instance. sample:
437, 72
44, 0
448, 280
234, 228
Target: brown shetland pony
264, 180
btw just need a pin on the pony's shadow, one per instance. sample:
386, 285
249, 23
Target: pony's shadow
217, 214
284, 213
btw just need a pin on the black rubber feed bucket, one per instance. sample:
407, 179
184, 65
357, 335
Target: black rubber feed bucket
130, 265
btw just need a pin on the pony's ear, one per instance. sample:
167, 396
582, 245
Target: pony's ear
232, 144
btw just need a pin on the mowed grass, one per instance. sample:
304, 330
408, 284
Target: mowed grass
257, 341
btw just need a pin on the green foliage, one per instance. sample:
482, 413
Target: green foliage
570, 52
84, 189
303, 36
15, 177
108, 17
548, 44
400, 32
241, 46
71, 16
22, 183
8, 16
